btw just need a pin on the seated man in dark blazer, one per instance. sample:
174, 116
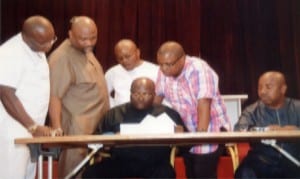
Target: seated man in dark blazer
274, 112
136, 161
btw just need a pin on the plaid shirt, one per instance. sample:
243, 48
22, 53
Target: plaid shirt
197, 80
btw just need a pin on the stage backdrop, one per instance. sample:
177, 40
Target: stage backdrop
240, 39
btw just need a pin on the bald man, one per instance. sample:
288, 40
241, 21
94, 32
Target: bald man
191, 86
24, 94
79, 95
273, 111
130, 67
135, 162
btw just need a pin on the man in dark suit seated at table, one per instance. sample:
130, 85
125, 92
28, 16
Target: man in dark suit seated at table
273, 112
136, 161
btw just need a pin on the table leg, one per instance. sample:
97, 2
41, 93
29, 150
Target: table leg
50, 166
40, 167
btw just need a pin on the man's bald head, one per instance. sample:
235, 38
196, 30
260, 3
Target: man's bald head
142, 93
127, 54
83, 33
82, 23
278, 77
125, 43
38, 33
171, 58
143, 82
171, 48
272, 89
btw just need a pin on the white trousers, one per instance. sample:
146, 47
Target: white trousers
14, 159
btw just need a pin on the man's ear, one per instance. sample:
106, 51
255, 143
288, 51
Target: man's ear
283, 89
70, 34
138, 52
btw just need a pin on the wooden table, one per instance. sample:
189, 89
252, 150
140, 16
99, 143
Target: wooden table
150, 139
163, 139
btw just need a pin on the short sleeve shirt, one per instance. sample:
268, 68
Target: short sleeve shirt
28, 72
79, 83
197, 80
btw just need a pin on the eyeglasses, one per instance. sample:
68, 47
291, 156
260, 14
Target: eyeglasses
53, 40
171, 64
45, 44
50, 43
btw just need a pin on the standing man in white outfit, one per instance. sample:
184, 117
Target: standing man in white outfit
130, 67
24, 94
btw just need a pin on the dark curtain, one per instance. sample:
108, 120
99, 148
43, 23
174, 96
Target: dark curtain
240, 39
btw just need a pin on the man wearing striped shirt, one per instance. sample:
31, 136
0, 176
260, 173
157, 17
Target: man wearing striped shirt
190, 85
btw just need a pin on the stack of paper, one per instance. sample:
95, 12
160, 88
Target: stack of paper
161, 124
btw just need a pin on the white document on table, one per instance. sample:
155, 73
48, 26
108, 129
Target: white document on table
161, 124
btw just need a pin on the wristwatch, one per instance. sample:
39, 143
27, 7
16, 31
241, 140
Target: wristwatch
32, 128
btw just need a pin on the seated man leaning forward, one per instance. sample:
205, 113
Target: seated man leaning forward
141, 161
273, 111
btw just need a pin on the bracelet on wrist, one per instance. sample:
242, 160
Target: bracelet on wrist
32, 128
